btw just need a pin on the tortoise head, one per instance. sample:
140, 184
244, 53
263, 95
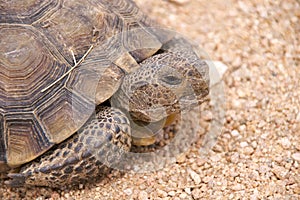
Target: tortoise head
165, 84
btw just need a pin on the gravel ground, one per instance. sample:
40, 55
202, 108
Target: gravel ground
257, 155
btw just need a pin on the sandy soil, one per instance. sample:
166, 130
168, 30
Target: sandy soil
257, 155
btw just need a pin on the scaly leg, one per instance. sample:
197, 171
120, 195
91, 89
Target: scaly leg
82, 157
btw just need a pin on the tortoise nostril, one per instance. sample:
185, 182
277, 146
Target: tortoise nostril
191, 73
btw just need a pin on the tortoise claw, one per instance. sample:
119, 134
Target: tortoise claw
16, 180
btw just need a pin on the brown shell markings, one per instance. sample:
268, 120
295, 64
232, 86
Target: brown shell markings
37, 39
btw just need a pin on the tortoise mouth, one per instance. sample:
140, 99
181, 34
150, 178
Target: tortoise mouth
188, 101
155, 111
154, 114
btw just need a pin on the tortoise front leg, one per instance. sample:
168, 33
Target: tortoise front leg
82, 157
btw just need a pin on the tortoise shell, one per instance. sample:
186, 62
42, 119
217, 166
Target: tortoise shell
40, 41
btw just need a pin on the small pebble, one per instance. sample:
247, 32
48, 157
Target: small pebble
196, 178
171, 193
243, 144
237, 187
216, 157
235, 133
216, 71
55, 195
285, 142
248, 150
187, 190
180, 158
162, 193
206, 179
296, 156
196, 193
143, 195
183, 195
280, 172
128, 191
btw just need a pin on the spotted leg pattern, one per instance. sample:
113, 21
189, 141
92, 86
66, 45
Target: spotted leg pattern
87, 154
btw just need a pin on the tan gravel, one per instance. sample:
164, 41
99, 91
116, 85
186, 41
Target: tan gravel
258, 154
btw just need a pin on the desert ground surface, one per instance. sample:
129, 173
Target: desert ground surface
257, 155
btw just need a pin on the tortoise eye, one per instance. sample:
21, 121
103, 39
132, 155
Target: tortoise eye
172, 80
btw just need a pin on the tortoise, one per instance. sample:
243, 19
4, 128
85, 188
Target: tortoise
76, 77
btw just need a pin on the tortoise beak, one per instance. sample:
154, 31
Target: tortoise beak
142, 136
143, 141
144, 133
